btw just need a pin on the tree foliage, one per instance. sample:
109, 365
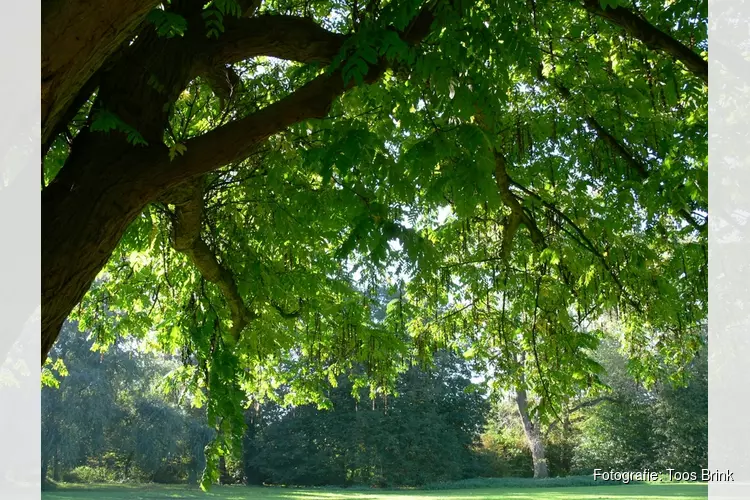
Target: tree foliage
625, 427
109, 420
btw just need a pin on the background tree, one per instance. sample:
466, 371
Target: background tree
108, 418
662, 427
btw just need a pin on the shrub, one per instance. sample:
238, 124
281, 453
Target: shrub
87, 474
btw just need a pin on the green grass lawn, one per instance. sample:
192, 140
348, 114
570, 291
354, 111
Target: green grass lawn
625, 492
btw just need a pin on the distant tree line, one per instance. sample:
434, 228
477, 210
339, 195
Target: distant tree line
108, 420
111, 420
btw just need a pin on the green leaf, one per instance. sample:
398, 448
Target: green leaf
176, 149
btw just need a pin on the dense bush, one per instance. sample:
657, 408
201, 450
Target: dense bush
89, 474
426, 434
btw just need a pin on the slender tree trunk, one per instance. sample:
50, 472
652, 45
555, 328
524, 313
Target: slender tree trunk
533, 434
223, 475
45, 468
56, 469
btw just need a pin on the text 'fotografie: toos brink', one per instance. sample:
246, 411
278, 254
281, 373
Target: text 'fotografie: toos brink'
705, 475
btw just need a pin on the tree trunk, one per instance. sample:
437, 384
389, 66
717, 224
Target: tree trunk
533, 435
56, 469
106, 181
223, 474
98, 193
80, 230
77, 37
45, 468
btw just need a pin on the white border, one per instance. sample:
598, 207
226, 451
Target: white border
20, 217
729, 245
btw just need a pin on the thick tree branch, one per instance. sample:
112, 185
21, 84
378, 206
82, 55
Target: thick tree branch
518, 215
236, 141
186, 239
284, 37
67, 116
107, 183
650, 35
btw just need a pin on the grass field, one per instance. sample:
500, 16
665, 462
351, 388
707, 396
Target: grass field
624, 492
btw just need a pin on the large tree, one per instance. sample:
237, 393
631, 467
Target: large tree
213, 171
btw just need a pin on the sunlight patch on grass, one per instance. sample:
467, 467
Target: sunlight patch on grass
155, 492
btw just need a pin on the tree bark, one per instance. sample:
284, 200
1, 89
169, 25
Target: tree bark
518, 215
304, 40
77, 37
533, 435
